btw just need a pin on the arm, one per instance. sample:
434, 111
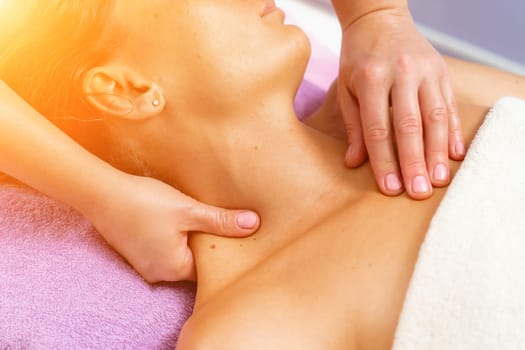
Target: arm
145, 220
394, 88
349, 11
60, 168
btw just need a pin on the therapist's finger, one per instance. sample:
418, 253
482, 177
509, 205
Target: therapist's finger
218, 221
356, 152
456, 141
377, 132
435, 123
409, 136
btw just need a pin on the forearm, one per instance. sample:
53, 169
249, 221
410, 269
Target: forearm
39, 154
348, 11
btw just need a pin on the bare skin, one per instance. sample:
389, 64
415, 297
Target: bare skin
88, 190
330, 264
213, 116
340, 281
37, 153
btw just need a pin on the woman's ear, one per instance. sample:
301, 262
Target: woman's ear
122, 93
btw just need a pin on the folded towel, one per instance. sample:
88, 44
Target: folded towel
468, 291
62, 287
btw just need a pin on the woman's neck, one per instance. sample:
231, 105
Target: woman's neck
263, 160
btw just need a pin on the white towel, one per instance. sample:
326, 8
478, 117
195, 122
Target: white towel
468, 287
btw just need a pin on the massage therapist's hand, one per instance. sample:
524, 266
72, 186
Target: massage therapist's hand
148, 223
386, 62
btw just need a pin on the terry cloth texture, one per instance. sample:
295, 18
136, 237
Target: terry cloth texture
468, 289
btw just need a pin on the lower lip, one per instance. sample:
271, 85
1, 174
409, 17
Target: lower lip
271, 9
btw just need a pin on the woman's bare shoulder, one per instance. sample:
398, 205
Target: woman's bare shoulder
481, 85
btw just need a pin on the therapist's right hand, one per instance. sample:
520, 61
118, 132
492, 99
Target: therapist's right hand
148, 222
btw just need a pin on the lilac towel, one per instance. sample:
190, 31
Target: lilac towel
63, 287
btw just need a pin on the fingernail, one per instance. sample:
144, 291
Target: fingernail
460, 149
246, 220
441, 172
392, 182
420, 184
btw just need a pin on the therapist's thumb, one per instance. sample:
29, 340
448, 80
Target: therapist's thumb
223, 222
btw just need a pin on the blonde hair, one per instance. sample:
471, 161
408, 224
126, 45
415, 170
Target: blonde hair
46, 47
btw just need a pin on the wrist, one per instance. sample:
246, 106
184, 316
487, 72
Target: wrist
349, 11
101, 195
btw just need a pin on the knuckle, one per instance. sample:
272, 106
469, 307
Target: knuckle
190, 215
456, 129
438, 115
405, 63
222, 219
384, 166
349, 128
414, 166
409, 125
437, 154
452, 108
452, 102
377, 133
454, 124
372, 72
187, 211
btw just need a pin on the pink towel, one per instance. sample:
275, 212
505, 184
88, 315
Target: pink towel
63, 287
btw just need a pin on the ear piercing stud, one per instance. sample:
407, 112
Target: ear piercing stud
156, 103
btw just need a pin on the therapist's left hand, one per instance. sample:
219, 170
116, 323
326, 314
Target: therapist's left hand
386, 62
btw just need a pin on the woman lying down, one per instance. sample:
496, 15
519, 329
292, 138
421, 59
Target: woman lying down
178, 92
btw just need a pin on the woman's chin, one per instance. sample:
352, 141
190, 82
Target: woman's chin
302, 52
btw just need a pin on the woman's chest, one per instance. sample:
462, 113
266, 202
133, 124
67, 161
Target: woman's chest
343, 280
